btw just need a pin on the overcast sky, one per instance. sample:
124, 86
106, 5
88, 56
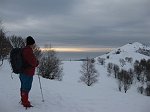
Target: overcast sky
78, 23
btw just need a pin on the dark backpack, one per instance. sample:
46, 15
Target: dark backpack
16, 60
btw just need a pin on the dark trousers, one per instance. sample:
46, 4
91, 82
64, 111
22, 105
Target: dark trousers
26, 82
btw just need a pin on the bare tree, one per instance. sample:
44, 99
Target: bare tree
137, 70
124, 79
122, 62
89, 72
50, 66
131, 73
116, 70
140, 89
5, 45
17, 41
142, 71
37, 52
120, 79
148, 77
101, 61
129, 59
110, 68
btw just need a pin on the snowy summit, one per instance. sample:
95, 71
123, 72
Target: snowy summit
136, 51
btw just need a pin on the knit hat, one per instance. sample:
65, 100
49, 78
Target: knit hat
30, 40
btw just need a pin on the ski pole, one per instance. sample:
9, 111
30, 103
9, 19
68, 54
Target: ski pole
41, 88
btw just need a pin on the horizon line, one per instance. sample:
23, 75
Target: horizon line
75, 49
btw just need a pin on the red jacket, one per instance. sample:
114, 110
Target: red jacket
30, 60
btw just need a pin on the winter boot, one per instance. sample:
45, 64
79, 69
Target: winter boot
24, 100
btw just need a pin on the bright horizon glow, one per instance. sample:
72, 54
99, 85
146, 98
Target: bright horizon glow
58, 49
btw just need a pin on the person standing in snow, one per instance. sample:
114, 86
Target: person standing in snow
26, 77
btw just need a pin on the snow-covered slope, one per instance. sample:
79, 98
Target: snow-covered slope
69, 95
131, 50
